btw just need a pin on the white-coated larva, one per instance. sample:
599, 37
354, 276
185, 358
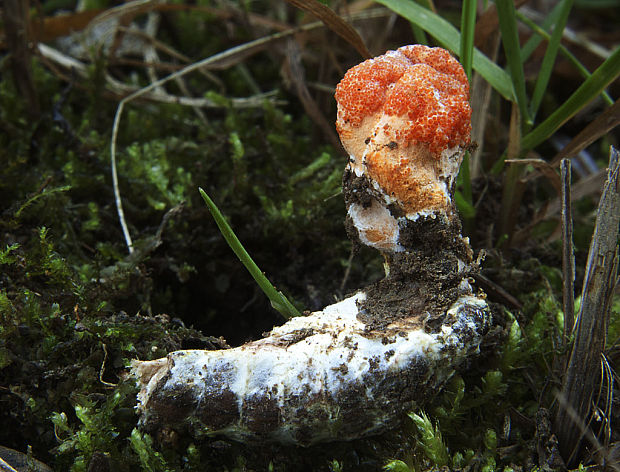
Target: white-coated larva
317, 378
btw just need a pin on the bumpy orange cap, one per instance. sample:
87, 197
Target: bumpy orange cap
425, 87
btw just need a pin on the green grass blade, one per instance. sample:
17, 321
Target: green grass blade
449, 37
418, 34
606, 73
466, 56
494, 75
546, 68
512, 48
466, 209
277, 298
542, 34
468, 28
466, 182
532, 43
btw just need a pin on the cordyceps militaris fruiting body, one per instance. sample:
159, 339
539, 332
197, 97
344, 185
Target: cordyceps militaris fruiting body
353, 368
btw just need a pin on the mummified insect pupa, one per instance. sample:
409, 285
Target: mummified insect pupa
353, 368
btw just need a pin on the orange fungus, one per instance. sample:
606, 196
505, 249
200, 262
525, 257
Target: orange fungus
425, 87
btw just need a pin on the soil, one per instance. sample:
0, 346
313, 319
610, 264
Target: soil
419, 283
422, 281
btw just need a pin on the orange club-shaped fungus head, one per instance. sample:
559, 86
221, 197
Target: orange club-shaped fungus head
404, 118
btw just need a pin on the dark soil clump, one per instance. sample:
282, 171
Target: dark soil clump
422, 281
419, 283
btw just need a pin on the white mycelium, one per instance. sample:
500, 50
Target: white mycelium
376, 227
306, 365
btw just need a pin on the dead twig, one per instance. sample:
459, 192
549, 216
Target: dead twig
16, 461
569, 34
602, 125
590, 185
296, 75
102, 368
481, 101
580, 381
513, 183
334, 22
544, 168
568, 254
496, 292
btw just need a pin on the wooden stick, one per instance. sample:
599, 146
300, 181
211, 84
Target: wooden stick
568, 255
583, 372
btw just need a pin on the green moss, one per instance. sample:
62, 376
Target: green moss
613, 333
150, 459
150, 171
397, 466
431, 442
